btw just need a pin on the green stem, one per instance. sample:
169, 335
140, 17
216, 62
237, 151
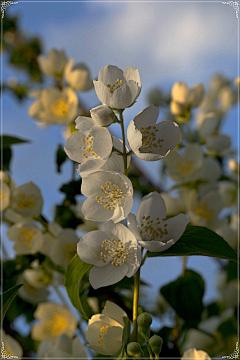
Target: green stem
135, 304
149, 350
124, 142
184, 264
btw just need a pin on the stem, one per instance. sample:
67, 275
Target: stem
124, 142
135, 304
73, 169
149, 350
184, 265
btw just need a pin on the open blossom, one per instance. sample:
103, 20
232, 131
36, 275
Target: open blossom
151, 141
27, 200
113, 251
104, 331
55, 321
4, 195
63, 347
195, 354
27, 236
185, 167
150, 226
64, 248
184, 98
78, 76
90, 146
10, 347
109, 196
204, 211
53, 64
116, 88
113, 163
55, 106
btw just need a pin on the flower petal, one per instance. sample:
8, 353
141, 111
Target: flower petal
90, 247
107, 275
109, 74
133, 226
94, 211
102, 142
156, 246
114, 311
175, 227
84, 123
74, 146
151, 205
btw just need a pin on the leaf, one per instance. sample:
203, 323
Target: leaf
198, 240
185, 296
12, 140
122, 354
66, 218
74, 274
61, 157
7, 155
6, 299
72, 189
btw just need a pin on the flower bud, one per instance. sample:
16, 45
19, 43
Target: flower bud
144, 332
144, 320
156, 344
134, 349
103, 115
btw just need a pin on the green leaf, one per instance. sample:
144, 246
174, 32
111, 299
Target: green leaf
6, 299
7, 155
61, 157
185, 296
72, 189
12, 140
74, 274
198, 240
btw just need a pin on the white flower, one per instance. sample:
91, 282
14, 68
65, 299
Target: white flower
78, 76
103, 115
27, 236
63, 347
4, 195
113, 163
11, 346
204, 211
228, 192
150, 226
151, 141
109, 196
55, 321
104, 331
211, 169
64, 248
113, 251
29, 293
91, 146
195, 354
185, 167
184, 98
55, 106
27, 200
116, 88
173, 205
53, 64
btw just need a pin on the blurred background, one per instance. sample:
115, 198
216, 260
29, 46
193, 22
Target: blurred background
166, 41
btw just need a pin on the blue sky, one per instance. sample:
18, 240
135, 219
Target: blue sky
166, 41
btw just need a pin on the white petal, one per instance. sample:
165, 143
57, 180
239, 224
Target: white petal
112, 340
94, 211
109, 74
84, 123
90, 247
175, 227
114, 311
151, 205
107, 275
132, 73
156, 246
90, 166
74, 147
146, 117
102, 92
133, 226
102, 142
122, 97
134, 137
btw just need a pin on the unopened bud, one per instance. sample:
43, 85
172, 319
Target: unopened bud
144, 320
103, 115
134, 349
156, 344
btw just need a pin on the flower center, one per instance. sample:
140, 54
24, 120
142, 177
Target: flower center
114, 250
88, 141
149, 141
204, 211
112, 196
151, 230
26, 201
118, 83
185, 167
59, 108
103, 331
57, 325
25, 237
